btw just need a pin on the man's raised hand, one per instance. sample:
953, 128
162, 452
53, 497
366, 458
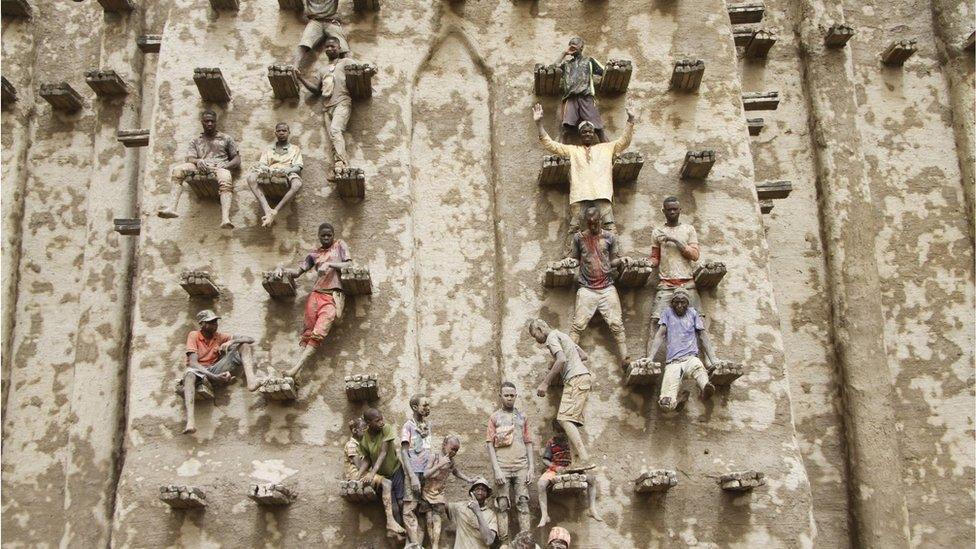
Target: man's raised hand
537, 112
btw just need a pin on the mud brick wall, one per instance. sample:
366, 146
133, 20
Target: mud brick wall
455, 232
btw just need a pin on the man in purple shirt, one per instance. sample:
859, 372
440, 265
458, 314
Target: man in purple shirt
681, 327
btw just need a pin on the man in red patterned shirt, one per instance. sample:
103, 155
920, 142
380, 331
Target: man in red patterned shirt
211, 356
558, 458
325, 303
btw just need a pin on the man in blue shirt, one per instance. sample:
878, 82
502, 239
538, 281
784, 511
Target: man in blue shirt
681, 327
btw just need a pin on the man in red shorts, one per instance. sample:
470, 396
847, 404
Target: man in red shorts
324, 305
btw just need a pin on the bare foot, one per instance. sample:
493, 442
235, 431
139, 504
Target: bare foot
255, 385
226, 224
190, 429
338, 166
543, 521
269, 219
167, 213
596, 516
394, 529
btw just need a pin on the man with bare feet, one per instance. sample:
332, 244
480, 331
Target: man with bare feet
568, 359
681, 327
331, 86
325, 303
558, 457
415, 455
212, 356
381, 467
440, 468
282, 159
211, 152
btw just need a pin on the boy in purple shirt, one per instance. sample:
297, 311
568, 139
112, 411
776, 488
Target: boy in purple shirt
681, 326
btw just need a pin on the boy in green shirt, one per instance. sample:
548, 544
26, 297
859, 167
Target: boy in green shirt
381, 467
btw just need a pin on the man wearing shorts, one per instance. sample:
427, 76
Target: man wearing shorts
578, 90
509, 446
680, 328
435, 479
325, 303
210, 152
558, 457
281, 157
590, 168
322, 23
568, 359
674, 251
596, 251
415, 456
381, 467
211, 356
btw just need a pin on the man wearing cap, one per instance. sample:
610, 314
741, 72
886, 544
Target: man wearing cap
212, 356
323, 22
680, 327
578, 88
477, 526
590, 168
559, 538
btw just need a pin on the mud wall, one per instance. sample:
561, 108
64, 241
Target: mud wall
456, 232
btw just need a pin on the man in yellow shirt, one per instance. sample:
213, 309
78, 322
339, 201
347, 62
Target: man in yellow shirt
284, 158
590, 168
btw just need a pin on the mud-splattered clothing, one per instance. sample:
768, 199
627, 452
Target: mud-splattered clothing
682, 333
595, 252
207, 350
508, 433
328, 278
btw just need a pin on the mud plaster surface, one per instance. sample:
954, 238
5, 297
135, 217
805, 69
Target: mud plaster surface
455, 233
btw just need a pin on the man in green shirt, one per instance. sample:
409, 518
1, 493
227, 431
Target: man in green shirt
381, 467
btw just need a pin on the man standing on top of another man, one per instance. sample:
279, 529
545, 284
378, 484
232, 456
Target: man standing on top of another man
590, 169
578, 89
323, 22
674, 251
596, 250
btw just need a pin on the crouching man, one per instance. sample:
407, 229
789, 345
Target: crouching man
213, 356
680, 329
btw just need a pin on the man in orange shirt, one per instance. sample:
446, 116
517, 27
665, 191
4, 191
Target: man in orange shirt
212, 356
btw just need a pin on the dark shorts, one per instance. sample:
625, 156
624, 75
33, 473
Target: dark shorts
577, 108
408, 493
397, 480
227, 363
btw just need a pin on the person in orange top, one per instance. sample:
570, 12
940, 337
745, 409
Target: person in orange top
325, 303
212, 356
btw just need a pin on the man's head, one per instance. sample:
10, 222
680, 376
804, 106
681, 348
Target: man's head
326, 234
587, 133
480, 490
679, 301
420, 405
539, 330
523, 540
332, 48
450, 446
208, 119
374, 420
357, 427
282, 132
593, 220
559, 538
576, 46
508, 393
207, 319
671, 209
